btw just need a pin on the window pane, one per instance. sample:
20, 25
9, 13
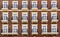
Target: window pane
44, 29
24, 29
34, 29
44, 5
5, 29
34, 17
34, 5
15, 16
24, 16
5, 4
44, 17
54, 29
15, 28
54, 16
24, 5
5, 17
54, 4
15, 5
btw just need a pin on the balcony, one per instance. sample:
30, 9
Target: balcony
44, 21
44, 9
34, 31
4, 21
25, 21
51, 33
53, 9
14, 32
9, 33
34, 9
24, 9
34, 21
14, 9
54, 21
25, 31
14, 21
4, 9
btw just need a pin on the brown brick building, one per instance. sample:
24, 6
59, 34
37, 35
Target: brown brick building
29, 18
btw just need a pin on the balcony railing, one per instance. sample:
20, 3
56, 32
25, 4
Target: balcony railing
54, 8
34, 9
43, 9
9, 33
5, 9
45, 20
25, 20
34, 19
14, 9
24, 9
24, 31
34, 31
4, 20
51, 33
15, 20
54, 20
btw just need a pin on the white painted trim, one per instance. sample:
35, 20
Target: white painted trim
35, 13
43, 13
14, 1
5, 13
25, 25
4, 1
34, 25
34, 1
25, 1
43, 1
14, 13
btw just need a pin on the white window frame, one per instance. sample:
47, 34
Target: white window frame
13, 27
15, 15
26, 3
43, 15
33, 27
4, 3
3, 28
52, 27
54, 3
43, 3
33, 3
44, 25
13, 3
35, 15
25, 29
4, 15
23, 15
55, 15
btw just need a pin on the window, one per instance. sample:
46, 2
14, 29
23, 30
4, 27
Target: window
5, 4
34, 16
24, 28
15, 15
44, 15
15, 4
34, 4
5, 28
54, 28
5, 16
24, 4
54, 15
53, 4
14, 28
24, 16
44, 28
44, 4
34, 28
